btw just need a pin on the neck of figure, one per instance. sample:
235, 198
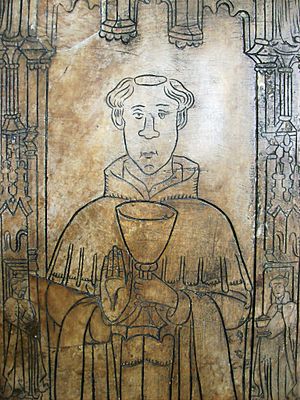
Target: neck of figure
151, 180
279, 300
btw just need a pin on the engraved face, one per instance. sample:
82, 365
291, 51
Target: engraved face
19, 288
150, 131
278, 289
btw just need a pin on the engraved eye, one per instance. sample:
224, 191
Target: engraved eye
138, 115
162, 114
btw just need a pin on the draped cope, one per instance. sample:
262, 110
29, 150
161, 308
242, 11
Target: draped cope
202, 262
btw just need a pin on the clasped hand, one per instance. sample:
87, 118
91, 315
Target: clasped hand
117, 283
155, 291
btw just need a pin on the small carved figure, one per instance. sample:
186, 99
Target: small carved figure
24, 373
275, 372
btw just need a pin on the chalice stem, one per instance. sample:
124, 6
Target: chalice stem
147, 275
146, 270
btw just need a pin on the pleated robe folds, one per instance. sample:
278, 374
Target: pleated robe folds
188, 355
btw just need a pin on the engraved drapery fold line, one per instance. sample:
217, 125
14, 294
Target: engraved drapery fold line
80, 266
278, 171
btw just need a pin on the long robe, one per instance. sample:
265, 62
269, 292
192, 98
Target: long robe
24, 370
181, 355
275, 372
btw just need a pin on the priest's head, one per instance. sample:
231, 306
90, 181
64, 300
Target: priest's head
278, 285
19, 287
150, 110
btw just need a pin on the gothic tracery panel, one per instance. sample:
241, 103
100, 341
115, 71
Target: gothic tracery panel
178, 281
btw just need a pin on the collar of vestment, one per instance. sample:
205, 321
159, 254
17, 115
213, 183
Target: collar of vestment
121, 181
284, 299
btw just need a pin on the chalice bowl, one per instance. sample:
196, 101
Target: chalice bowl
146, 228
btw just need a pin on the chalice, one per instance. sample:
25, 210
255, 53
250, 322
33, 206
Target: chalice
262, 325
146, 228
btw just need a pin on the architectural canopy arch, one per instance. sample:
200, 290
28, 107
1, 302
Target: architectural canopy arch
271, 32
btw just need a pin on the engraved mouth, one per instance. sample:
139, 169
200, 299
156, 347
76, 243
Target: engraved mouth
148, 154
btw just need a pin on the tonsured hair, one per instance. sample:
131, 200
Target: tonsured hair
172, 88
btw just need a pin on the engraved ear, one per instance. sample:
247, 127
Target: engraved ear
181, 118
117, 118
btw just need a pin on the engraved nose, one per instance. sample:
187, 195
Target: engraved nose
149, 131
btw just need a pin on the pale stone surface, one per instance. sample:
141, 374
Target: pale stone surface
221, 121
187, 112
